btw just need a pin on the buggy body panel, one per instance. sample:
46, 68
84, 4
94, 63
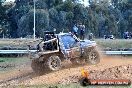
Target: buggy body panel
66, 43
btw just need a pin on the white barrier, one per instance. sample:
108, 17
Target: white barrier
117, 52
16, 51
27, 51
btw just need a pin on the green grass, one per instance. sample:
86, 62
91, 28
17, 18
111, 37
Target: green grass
114, 44
66, 86
129, 56
16, 43
9, 60
7, 64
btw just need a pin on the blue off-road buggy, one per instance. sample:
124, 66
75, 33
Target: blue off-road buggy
55, 48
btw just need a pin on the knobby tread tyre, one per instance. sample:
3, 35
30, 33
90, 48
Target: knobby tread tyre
91, 56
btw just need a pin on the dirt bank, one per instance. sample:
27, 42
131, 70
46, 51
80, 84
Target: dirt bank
72, 74
113, 67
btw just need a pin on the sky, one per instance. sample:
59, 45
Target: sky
85, 2
9, 0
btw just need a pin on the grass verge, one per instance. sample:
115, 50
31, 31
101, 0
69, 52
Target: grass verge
67, 86
7, 59
114, 44
103, 43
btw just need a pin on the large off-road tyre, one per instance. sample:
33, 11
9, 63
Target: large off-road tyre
46, 64
91, 56
54, 63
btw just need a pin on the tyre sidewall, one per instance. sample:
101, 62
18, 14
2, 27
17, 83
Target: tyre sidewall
87, 55
54, 57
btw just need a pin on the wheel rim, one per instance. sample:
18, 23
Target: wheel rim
93, 57
55, 63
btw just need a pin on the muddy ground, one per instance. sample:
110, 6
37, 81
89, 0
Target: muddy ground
111, 67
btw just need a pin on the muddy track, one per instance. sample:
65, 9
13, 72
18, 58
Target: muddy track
20, 78
70, 74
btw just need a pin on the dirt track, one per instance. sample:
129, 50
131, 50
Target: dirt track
109, 66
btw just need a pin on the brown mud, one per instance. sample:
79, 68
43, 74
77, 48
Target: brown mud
111, 67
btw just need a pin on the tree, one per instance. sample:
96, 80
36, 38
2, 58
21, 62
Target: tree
25, 24
100, 17
53, 3
4, 24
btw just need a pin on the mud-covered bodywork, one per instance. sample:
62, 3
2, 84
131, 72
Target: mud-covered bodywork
55, 48
66, 43
87, 43
71, 46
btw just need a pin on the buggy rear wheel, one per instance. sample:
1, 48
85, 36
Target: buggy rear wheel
54, 63
47, 63
91, 56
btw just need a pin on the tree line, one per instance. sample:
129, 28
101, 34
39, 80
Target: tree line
100, 17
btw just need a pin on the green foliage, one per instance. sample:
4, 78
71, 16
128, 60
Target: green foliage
25, 24
52, 3
4, 24
101, 18
68, 6
69, 15
40, 4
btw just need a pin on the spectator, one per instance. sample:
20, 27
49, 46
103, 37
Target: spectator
74, 30
82, 32
126, 35
130, 34
91, 36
